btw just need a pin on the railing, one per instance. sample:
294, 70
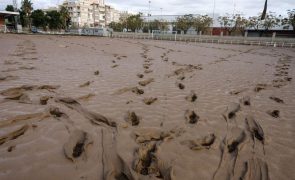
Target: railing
252, 41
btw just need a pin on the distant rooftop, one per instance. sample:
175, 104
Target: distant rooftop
9, 13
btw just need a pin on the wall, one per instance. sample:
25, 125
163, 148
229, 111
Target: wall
279, 33
2, 20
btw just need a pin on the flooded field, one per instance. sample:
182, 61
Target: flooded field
102, 108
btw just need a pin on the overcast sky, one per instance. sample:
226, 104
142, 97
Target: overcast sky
179, 7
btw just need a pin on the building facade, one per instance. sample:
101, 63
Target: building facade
9, 22
91, 13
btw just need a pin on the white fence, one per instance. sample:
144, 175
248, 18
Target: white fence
257, 41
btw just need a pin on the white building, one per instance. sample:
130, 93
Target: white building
90, 13
112, 15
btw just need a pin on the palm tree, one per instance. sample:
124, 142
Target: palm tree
27, 9
263, 16
65, 17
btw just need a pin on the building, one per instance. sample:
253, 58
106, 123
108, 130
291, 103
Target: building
112, 15
9, 22
91, 13
50, 9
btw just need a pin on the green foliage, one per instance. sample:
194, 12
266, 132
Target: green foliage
185, 22
155, 25
39, 19
290, 19
54, 20
270, 21
227, 22
23, 19
11, 19
234, 23
254, 22
201, 22
291, 14
9, 8
65, 17
26, 10
116, 26
134, 22
27, 7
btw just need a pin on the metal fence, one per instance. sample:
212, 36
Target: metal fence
257, 41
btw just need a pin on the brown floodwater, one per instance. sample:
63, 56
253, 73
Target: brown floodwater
101, 108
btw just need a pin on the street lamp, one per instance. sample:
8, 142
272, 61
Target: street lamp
161, 25
213, 16
149, 14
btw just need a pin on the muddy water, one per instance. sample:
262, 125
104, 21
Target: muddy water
99, 77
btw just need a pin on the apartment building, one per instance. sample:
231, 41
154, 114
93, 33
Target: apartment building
91, 13
112, 15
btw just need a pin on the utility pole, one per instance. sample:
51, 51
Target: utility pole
234, 11
14, 2
149, 14
93, 14
161, 22
213, 16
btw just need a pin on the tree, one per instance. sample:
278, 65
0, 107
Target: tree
39, 18
254, 22
291, 19
270, 21
54, 20
26, 10
202, 22
241, 23
65, 17
233, 23
11, 19
227, 22
123, 20
116, 26
185, 22
163, 25
156, 25
134, 22
9, 8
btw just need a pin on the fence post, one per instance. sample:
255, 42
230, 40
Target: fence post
273, 36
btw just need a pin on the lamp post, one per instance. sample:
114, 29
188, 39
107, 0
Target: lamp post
234, 10
213, 16
149, 14
161, 25
93, 14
